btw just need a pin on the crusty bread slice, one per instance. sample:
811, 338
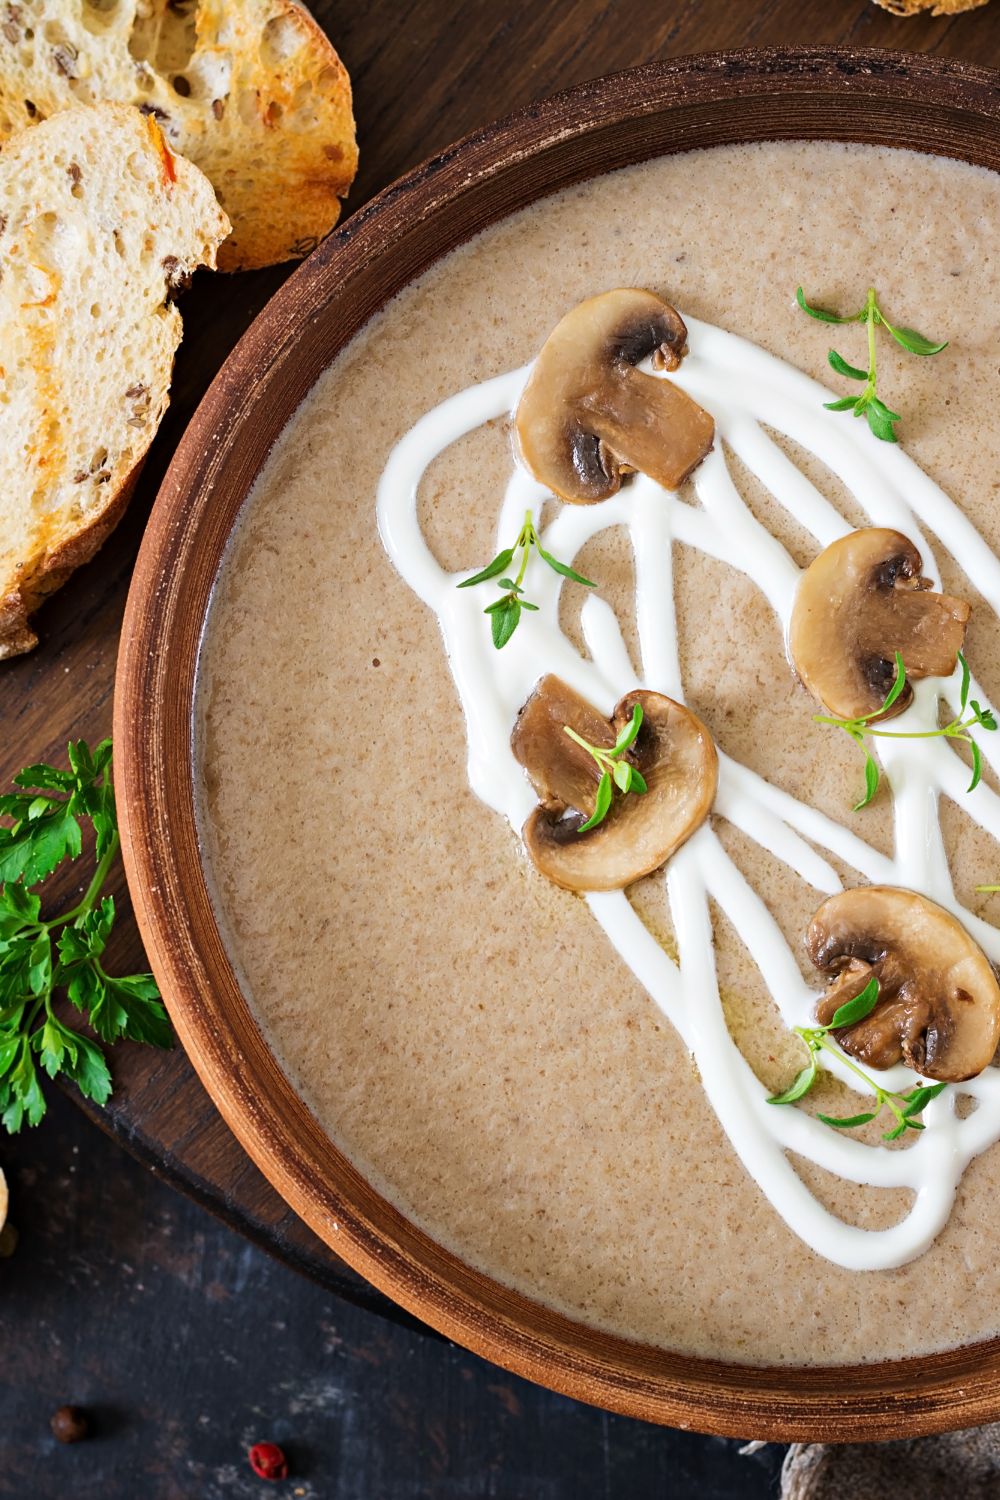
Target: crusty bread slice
250, 90
936, 7
99, 221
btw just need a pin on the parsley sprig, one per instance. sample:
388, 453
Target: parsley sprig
903, 1107
40, 956
880, 419
858, 729
615, 770
505, 612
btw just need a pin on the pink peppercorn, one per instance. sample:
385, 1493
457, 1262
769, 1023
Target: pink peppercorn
268, 1461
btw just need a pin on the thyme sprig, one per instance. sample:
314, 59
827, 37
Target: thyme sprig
860, 728
880, 419
903, 1107
505, 612
615, 770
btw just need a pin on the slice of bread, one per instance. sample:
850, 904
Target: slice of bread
936, 7
99, 223
250, 90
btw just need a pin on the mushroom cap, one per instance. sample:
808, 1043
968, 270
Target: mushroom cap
674, 753
939, 1001
861, 601
586, 411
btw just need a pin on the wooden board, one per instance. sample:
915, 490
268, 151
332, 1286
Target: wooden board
423, 74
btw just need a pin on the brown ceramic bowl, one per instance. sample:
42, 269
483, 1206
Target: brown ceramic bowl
887, 98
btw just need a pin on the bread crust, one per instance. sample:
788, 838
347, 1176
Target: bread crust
99, 223
936, 7
252, 91
46, 572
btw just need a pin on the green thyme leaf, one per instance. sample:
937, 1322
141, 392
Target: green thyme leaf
919, 1098
564, 569
915, 342
855, 1010
966, 682
602, 803
881, 419
848, 1122
822, 313
898, 684
868, 724
504, 620
615, 772
504, 616
622, 775
846, 403
627, 734
803, 1083
841, 366
871, 779
501, 561
893, 1135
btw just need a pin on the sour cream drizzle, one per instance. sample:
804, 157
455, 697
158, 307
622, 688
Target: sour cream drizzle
744, 388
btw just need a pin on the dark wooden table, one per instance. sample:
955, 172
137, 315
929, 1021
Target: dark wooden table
424, 74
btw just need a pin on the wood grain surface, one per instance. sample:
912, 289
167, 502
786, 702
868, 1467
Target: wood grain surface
423, 74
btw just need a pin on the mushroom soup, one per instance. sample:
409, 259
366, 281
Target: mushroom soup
574, 850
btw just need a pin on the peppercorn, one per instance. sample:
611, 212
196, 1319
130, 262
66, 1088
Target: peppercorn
268, 1461
69, 1424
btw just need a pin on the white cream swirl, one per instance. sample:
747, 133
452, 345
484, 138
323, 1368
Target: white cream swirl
743, 387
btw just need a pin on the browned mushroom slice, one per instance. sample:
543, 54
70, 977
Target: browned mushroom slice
674, 753
587, 412
861, 601
939, 1001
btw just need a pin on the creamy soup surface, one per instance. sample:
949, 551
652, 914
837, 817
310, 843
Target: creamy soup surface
460, 1027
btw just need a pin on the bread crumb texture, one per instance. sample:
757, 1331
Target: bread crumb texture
936, 7
100, 223
250, 90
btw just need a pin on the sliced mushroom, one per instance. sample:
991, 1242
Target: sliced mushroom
861, 601
939, 1001
674, 753
587, 412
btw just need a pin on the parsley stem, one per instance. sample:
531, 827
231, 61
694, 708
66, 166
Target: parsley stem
93, 890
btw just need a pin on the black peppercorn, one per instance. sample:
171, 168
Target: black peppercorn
69, 1424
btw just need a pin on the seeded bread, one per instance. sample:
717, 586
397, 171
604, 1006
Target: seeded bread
936, 7
99, 223
249, 90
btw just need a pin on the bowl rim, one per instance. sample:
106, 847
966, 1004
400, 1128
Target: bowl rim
153, 737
